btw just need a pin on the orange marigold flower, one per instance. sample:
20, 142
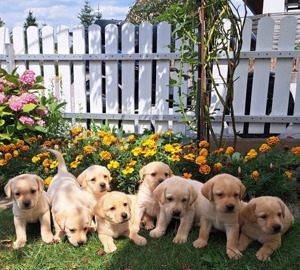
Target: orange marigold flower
24, 148
32, 139
264, 148
155, 137
200, 160
15, 153
187, 175
169, 132
189, 156
255, 175
88, 149
131, 138
203, 152
39, 138
252, 153
218, 166
204, 169
273, 140
74, 164
8, 156
204, 144
3, 162
105, 155
47, 162
289, 174
296, 150
47, 143
88, 133
20, 143
229, 150
76, 131
174, 158
219, 151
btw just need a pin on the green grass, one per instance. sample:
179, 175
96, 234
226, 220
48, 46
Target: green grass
158, 254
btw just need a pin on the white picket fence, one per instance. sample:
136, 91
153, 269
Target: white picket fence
129, 84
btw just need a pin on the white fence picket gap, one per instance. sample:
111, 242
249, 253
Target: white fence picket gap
19, 47
111, 72
145, 75
296, 127
241, 77
162, 75
284, 68
47, 33
33, 47
261, 72
4, 37
63, 47
95, 70
80, 104
128, 76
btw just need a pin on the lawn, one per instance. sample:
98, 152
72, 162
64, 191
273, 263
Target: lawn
158, 254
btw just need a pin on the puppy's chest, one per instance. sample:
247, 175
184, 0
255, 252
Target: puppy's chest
113, 230
30, 215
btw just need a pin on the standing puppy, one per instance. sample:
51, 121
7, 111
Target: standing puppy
178, 199
70, 207
220, 209
264, 219
147, 207
30, 204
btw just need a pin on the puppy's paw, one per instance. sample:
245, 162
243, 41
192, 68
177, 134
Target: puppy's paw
199, 243
47, 238
262, 256
19, 244
149, 226
139, 240
109, 248
179, 239
234, 254
156, 233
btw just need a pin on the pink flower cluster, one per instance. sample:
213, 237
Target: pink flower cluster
3, 98
28, 77
16, 103
5, 83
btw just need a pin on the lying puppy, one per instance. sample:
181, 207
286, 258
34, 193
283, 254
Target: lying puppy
70, 211
94, 181
220, 208
113, 213
264, 219
147, 207
178, 199
30, 204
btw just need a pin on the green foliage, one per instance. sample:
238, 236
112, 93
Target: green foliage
86, 15
30, 20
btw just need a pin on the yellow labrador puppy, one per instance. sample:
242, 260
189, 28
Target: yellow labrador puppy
264, 219
70, 208
113, 213
94, 181
30, 204
147, 207
220, 209
178, 199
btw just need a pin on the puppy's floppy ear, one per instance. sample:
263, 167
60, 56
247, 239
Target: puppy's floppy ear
129, 202
282, 205
60, 219
82, 179
242, 191
170, 173
207, 190
193, 195
7, 188
248, 213
98, 209
40, 182
142, 172
160, 193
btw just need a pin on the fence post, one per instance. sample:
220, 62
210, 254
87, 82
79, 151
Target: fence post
10, 58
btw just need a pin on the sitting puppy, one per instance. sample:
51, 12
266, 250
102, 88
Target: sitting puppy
220, 209
113, 213
147, 207
264, 219
178, 199
70, 208
30, 204
94, 181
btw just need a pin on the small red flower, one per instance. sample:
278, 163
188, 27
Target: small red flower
100, 252
185, 267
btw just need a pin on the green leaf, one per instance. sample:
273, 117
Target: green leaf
29, 107
2, 122
40, 129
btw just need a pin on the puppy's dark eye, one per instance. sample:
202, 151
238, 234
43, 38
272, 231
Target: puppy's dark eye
169, 199
184, 200
112, 208
17, 194
279, 214
166, 174
219, 194
263, 216
33, 191
125, 204
72, 230
153, 174
105, 176
236, 195
85, 229
93, 179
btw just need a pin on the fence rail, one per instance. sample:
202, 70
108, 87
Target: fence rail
118, 75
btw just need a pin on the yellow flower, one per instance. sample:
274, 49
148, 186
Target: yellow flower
255, 175
149, 152
113, 164
229, 150
74, 164
174, 158
8, 156
137, 151
200, 160
218, 166
131, 162
35, 159
252, 154
204, 144
79, 158
273, 140
105, 155
53, 164
47, 181
155, 137
204, 169
88, 149
124, 147
203, 152
169, 132
128, 170
168, 148
264, 148
189, 156
46, 163
76, 131
3, 162
149, 144
131, 138
15, 153
289, 174
187, 175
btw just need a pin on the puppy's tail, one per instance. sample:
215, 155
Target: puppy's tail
62, 168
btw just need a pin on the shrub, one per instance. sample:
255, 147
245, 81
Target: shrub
267, 170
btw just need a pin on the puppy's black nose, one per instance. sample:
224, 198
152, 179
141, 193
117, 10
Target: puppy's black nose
230, 207
276, 228
124, 215
176, 213
80, 243
26, 204
102, 185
